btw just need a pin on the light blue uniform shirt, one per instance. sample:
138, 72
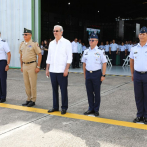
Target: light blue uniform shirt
93, 58
139, 54
114, 47
107, 48
122, 48
4, 49
129, 47
126, 45
101, 46
79, 48
83, 48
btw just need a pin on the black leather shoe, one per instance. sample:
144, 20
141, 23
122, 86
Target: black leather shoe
88, 112
31, 104
2, 100
52, 110
25, 104
138, 119
63, 111
145, 121
96, 113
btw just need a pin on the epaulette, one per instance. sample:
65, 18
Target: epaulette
3, 40
100, 48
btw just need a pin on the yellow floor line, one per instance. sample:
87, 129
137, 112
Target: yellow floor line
78, 116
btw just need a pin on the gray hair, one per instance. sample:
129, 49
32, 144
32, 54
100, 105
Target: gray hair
61, 28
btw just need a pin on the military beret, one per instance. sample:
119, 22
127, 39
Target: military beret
94, 36
27, 31
143, 30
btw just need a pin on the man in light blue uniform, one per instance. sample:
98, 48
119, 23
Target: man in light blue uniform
129, 47
113, 52
102, 45
79, 52
138, 66
106, 47
5, 57
122, 53
83, 47
93, 58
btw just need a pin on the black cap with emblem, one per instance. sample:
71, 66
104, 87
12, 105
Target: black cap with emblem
94, 36
143, 30
27, 31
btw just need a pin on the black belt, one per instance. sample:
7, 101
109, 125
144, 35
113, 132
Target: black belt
28, 62
142, 72
93, 71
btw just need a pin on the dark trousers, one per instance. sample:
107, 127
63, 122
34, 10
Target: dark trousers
107, 53
3, 79
93, 84
44, 58
57, 79
75, 60
140, 89
42, 62
122, 56
113, 56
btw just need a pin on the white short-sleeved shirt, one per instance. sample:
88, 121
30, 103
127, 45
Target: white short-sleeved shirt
114, 47
4, 49
94, 58
74, 47
59, 55
122, 48
139, 54
107, 48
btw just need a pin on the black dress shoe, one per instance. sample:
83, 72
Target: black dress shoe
145, 121
25, 104
52, 110
88, 112
138, 119
2, 100
63, 111
96, 113
31, 104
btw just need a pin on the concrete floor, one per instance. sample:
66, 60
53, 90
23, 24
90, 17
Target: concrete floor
29, 129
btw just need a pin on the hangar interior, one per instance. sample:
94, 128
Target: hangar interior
120, 20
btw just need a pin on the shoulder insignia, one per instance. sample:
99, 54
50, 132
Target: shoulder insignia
100, 48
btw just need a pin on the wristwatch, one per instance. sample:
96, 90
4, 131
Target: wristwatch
38, 67
8, 64
103, 75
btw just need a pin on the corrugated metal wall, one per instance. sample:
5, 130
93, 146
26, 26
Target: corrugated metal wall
15, 15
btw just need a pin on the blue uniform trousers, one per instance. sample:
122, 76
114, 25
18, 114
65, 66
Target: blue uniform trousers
57, 79
93, 84
3, 78
140, 89
113, 56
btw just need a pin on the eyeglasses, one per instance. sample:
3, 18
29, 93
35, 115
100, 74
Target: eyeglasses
56, 31
25, 34
92, 40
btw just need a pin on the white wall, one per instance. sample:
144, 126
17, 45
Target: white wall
15, 15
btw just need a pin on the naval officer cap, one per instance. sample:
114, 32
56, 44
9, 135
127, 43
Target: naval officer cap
27, 31
143, 30
94, 36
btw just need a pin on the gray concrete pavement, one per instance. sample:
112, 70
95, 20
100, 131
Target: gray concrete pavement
28, 129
